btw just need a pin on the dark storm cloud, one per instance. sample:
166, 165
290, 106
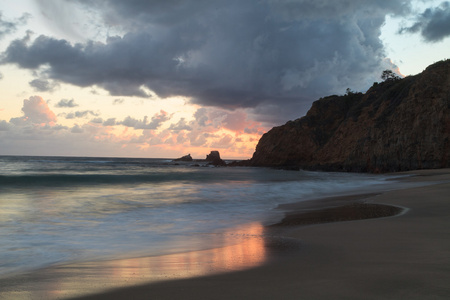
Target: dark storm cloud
230, 54
433, 24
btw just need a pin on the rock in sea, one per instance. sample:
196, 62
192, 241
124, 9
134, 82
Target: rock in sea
184, 158
214, 159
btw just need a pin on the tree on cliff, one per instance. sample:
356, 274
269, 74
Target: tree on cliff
388, 75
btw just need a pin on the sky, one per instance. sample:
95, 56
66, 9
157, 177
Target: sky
166, 78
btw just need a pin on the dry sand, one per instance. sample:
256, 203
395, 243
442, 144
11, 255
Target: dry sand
402, 257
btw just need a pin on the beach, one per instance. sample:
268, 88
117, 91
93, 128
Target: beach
406, 256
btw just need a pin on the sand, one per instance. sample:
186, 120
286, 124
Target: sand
406, 256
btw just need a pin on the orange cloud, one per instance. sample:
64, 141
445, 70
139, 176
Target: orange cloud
36, 110
231, 132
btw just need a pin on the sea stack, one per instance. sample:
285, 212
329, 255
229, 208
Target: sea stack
214, 159
397, 125
184, 158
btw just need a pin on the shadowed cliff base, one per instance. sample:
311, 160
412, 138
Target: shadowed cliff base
397, 125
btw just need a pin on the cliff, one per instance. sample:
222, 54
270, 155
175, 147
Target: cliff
396, 125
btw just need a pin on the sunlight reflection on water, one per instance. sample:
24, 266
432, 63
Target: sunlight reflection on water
93, 277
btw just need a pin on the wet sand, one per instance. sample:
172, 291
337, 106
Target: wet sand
342, 254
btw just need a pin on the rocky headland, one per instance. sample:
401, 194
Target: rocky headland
397, 125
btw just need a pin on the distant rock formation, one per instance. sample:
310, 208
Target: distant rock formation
214, 159
397, 125
184, 158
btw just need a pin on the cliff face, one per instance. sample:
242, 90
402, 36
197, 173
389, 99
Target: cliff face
396, 125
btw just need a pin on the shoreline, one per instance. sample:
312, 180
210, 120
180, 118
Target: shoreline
404, 256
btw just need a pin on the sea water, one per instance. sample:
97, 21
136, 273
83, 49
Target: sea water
56, 210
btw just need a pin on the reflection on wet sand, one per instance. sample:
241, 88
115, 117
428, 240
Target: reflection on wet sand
91, 277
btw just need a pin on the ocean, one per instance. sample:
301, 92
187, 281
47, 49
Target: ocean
58, 210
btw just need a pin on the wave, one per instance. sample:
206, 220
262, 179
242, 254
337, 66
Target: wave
94, 179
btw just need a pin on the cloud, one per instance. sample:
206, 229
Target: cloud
8, 27
118, 101
154, 123
81, 114
36, 110
235, 121
182, 124
226, 54
56, 127
197, 139
201, 116
224, 142
433, 24
63, 18
43, 85
4, 126
19, 121
110, 122
76, 129
66, 103
196, 135
97, 121
213, 119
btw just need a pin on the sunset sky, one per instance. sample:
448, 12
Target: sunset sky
164, 78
